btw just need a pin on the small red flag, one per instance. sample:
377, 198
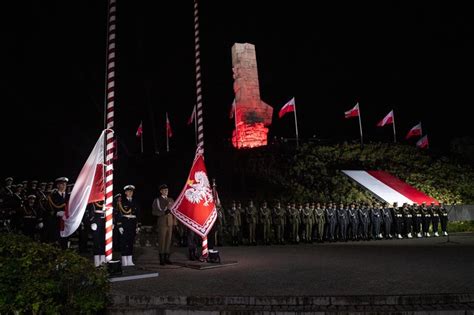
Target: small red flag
169, 132
386, 120
139, 130
287, 108
415, 131
423, 142
354, 112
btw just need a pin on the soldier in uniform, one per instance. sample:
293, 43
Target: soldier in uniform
266, 221
49, 188
56, 204
320, 221
364, 217
342, 221
128, 218
443, 216
279, 221
162, 209
96, 217
33, 186
434, 219
252, 219
235, 223
375, 217
7, 189
295, 221
354, 222
30, 221
307, 218
407, 220
387, 221
16, 207
426, 219
221, 223
398, 215
331, 219
417, 219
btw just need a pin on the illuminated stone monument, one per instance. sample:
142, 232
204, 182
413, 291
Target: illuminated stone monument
252, 115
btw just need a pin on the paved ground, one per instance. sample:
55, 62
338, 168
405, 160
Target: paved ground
417, 267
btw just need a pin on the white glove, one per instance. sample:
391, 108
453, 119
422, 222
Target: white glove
60, 213
94, 226
138, 230
121, 230
40, 225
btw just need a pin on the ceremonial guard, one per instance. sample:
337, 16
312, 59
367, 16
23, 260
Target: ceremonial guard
16, 207
307, 218
96, 217
443, 216
57, 201
342, 221
434, 218
295, 221
320, 221
128, 215
387, 220
417, 219
408, 220
398, 215
426, 219
364, 217
354, 222
279, 221
235, 223
252, 219
6, 190
375, 215
331, 219
31, 222
162, 209
265, 221
221, 223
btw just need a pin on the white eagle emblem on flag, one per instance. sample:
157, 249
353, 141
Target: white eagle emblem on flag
200, 189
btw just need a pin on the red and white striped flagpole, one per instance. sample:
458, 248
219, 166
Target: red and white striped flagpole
200, 125
109, 125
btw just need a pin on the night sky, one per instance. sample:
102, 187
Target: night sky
411, 56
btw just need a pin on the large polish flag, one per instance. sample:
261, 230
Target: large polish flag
287, 108
388, 187
354, 112
89, 187
415, 131
386, 120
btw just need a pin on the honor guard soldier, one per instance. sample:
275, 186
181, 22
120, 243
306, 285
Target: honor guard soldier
30, 221
56, 205
331, 219
307, 218
434, 218
266, 222
443, 217
387, 221
354, 222
96, 218
221, 223
408, 220
235, 223
16, 207
162, 209
398, 216
417, 219
295, 223
33, 186
49, 188
7, 189
342, 221
364, 217
426, 219
320, 221
127, 220
376, 219
252, 218
279, 221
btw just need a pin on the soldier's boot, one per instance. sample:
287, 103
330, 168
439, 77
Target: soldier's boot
124, 261
102, 259
436, 234
409, 235
130, 261
428, 234
167, 259
162, 259
97, 260
445, 233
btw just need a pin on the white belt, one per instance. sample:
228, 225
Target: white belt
99, 211
435, 215
418, 215
129, 216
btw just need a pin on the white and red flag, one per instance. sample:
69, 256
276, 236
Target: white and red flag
289, 107
354, 112
386, 120
415, 131
423, 143
169, 132
195, 206
89, 187
139, 130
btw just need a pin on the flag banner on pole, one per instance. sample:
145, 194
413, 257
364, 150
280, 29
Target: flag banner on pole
193, 116
195, 206
415, 131
232, 110
386, 120
287, 108
169, 132
140, 130
423, 142
354, 112
89, 187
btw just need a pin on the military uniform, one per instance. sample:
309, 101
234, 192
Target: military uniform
161, 208
375, 217
30, 221
57, 201
417, 219
235, 224
265, 221
387, 221
307, 219
354, 222
364, 217
331, 219
251, 216
320, 221
279, 221
434, 219
443, 216
128, 215
426, 219
295, 221
221, 223
342, 222
96, 217
398, 216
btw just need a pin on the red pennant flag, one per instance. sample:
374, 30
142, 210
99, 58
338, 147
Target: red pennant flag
232, 110
193, 115
386, 120
139, 130
195, 206
354, 112
423, 142
415, 131
169, 132
287, 108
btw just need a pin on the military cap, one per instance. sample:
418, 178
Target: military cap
9, 179
31, 197
34, 181
61, 179
43, 184
118, 195
163, 186
129, 187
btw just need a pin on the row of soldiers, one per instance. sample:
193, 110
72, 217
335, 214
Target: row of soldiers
311, 222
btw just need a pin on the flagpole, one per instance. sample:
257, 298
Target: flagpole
360, 127
394, 132
141, 137
167, 135
296, 124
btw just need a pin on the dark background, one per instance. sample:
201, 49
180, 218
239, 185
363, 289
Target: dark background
411, 56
